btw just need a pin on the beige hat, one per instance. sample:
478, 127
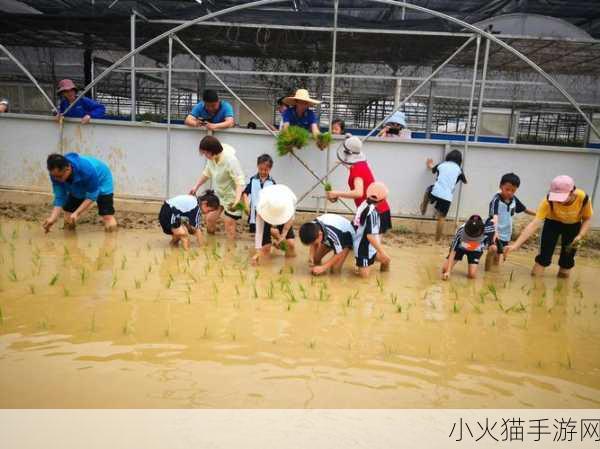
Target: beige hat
351, 151
301, 95
277, 204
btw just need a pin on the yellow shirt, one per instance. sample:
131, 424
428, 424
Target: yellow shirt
226, 174
568, 214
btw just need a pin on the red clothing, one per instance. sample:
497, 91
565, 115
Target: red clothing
363, 171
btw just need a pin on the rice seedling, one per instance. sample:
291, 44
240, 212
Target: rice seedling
312, 344
114, 280
221, 273
125, 296
255, 292
205, 333
66, 292
237, 290
123, 262
43, 324
399, 308
138, 284
283, 246
126, 328
482, 297
394, 298
493, 291
327, 186
215, 289
379, 284
477, 309
169, 283
270, 290
455, 308
302, 291
12, 275
32, 289
82, 275
168, 330
510, 278
242, 276
66, 251
349, 301
189, 299
293, 137
324, 140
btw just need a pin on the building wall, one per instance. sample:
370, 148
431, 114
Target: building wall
143, 166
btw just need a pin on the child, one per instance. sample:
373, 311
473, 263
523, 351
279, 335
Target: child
470, 240
260, 180
180, 216
328, 232
367, 243
566, 213
441, 193
274, 219
503, 206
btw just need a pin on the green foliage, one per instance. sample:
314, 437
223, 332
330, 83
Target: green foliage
293, 137
324, 140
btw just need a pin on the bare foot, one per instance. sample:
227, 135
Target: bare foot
445, 276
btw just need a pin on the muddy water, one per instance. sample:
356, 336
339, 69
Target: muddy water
122, 320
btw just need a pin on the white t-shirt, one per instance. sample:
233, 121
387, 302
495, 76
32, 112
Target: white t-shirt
448, 174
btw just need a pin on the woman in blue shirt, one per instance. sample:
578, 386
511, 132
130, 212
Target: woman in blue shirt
85, 108
299, 113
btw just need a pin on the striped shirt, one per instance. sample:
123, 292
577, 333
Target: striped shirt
338, 232
362, 246
505, 211
464, 242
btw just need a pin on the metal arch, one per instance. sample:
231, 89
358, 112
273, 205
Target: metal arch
165, 35
29, 75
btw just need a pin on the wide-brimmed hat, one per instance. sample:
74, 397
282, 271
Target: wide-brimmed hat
377, 191
560, 188
277, 204
301, 95
397, 117
66, 84
351, 151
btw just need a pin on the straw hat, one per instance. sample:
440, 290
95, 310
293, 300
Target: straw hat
397, 117
66, 84
351, 151
377, 191
277, 204
301, 95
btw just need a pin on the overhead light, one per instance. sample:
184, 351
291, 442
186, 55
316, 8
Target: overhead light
199, 2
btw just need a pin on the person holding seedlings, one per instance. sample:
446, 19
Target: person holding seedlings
440, 194
181, 215
86, 109
367, 242
329, 232
360, 177
300, 114
503, 207
211, 113
274, 222
78, 181
471, 239
225, 171
395, 127
260, 180
566, 212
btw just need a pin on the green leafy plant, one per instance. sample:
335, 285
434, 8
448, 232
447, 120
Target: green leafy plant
327, 186
324, 140
293, 137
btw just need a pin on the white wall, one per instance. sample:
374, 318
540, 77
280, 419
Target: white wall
137, 154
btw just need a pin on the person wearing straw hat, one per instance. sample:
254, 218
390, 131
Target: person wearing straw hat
367, 242
395, 127
274, 222
86, 109
300, 114
360, 177
566, 212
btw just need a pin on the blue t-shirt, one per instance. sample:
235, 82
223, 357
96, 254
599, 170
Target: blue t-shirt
91, 178
505, 212
84, 106
448, 175
308, 118
225, 110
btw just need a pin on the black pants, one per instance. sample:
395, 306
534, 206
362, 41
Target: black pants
550, 232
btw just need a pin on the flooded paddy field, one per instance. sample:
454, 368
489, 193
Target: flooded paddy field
89, 319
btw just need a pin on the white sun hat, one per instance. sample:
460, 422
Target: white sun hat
350, 152
277, 204
397, 117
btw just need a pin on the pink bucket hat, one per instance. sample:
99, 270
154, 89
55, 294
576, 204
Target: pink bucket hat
66, 84
560, 188
377, 191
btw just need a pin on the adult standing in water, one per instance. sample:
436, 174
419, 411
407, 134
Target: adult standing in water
299, 112
566, 212
85, 108
360, 177
225, 171
78, 181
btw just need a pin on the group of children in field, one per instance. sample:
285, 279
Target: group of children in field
565, 213
78, 181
